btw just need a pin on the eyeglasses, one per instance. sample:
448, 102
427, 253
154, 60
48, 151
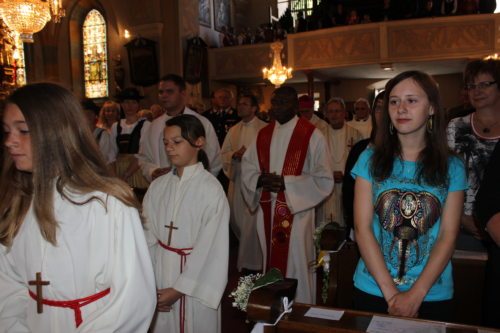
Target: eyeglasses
480, 85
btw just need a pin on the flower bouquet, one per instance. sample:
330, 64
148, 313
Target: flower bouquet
262, 295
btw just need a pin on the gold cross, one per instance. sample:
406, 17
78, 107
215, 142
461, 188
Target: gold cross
171, 228
39, 296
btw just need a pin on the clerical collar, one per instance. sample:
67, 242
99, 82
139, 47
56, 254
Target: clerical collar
290, 123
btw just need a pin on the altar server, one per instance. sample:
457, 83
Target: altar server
188, 233
73, 257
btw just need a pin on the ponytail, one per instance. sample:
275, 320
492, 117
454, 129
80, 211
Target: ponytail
203, 158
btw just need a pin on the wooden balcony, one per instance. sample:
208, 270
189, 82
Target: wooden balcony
443, 44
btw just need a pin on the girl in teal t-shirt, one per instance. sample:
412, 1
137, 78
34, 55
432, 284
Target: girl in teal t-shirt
408, 201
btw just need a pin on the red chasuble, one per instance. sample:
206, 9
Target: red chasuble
278, 237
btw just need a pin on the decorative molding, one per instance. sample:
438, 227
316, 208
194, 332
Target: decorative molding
237, 62
334, 48
438, 40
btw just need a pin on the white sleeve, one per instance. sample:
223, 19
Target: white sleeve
13, 298
145, 156
133, 292
113, 145
226, 153
149, 212
212, 149
106, 146
250, 173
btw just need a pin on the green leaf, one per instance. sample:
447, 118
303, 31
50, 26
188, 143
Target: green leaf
272, 276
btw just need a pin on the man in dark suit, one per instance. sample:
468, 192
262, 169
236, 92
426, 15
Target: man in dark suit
222, 115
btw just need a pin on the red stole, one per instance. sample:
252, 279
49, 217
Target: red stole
278, 239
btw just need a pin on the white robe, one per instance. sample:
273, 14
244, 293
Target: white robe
97, 248
340, 142
320, 124
302, 194
197, 206
152, 153
105, 143
363, 126
243, 222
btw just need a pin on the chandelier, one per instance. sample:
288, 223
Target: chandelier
278, 73
30, 16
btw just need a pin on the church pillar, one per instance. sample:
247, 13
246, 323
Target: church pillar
310, 83
189, 27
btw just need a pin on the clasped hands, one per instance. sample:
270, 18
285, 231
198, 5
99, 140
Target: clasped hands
166, 298
271, 182
404, 304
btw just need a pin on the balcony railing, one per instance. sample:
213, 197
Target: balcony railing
429, 39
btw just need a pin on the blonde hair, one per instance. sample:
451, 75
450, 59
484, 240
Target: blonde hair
103, 122
65, 158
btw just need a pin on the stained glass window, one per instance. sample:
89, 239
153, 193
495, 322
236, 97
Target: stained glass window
95, 55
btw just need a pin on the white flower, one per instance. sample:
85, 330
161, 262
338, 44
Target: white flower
243, 290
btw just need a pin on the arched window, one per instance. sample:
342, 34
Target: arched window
95, 55
295, 6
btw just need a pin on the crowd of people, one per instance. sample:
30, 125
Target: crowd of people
80, 251
336, 13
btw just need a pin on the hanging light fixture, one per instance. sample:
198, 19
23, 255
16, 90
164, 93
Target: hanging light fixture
30, 16
278, 73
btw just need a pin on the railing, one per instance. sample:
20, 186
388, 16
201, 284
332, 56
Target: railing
429, 39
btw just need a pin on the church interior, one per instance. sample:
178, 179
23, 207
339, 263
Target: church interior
97, 48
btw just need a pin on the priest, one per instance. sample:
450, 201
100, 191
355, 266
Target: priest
341, 138
286, 172
243, 221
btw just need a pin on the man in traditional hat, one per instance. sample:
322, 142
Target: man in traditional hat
306, 110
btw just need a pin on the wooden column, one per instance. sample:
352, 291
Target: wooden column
310, 82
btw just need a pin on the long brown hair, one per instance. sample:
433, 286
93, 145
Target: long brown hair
65, 158
433, 159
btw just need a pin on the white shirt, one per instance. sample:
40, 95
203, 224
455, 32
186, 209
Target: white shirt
152, 153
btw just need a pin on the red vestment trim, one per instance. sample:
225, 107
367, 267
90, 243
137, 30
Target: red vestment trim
75, 304
183, 253
278, 237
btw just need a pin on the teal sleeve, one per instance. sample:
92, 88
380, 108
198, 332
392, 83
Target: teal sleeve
457, 175
362, 167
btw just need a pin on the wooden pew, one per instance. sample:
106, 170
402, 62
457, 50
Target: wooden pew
468, 275
351, 322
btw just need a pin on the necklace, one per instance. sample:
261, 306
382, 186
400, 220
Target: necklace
486, 129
